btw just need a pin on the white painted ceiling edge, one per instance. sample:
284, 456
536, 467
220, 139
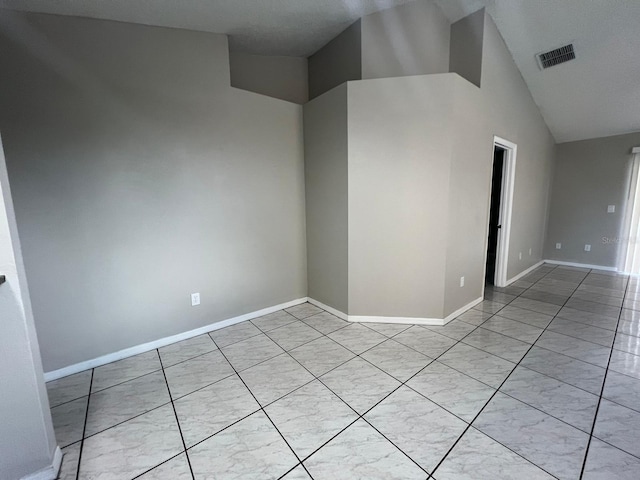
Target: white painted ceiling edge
596, 95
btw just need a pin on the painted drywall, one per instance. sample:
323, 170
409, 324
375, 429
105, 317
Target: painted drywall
589, 176
465, 54
285, 78
326, 179
399, 153
420, 152
27, 441
337, 62
140, 176
468, 201
412, 39
511, 113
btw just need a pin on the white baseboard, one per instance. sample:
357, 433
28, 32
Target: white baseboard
50, 472
460, 311
581, 265
401, 320
527, 271
163, 342
329, 309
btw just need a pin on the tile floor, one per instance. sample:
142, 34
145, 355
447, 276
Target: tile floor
541, 380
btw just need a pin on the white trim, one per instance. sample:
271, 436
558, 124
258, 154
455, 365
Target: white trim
329, 309
460, 311
402, 320
50, 472
163, 342
581, 265
506, 208
522, 274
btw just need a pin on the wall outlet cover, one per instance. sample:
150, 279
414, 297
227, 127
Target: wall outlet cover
195, 299
558, 246
462, 281
611, 209
587, 248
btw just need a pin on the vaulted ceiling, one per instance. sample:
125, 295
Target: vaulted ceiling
294, 28
595, 95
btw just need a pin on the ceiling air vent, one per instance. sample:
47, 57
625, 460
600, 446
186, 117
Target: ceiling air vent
556, 57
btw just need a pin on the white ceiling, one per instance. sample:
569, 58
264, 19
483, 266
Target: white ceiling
270, 27
596, 95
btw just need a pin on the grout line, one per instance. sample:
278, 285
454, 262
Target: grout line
84, 428
604, 381
386, 338
160, 464
361, 416
491, 398
175, 413
262, 409
126, 381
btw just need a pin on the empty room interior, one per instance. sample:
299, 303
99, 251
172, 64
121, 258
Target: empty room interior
319, 239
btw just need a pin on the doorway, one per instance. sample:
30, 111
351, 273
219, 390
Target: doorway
501, 205
494, 215
629, 252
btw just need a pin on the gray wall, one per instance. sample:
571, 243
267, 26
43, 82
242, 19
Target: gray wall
502, 107
467, 39
589, 176
285, 78
325, 145
27, 440
420, 153
412, 39
337, 62
139, 176
511, 113
399, 153
468, 202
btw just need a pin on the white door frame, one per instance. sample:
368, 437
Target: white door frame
506, 208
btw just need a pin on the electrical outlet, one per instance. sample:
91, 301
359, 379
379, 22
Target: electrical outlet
611, 209
530, 251
558, 246
462, 281
587, 248
195, 299
520, 256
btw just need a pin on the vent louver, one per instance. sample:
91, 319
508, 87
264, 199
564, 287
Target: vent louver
556, 57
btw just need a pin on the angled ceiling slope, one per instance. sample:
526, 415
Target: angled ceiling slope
295, 28
595, 95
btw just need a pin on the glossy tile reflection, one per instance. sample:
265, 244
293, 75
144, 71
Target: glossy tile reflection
508, 390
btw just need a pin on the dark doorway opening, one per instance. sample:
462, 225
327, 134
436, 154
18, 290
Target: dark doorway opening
494, 215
